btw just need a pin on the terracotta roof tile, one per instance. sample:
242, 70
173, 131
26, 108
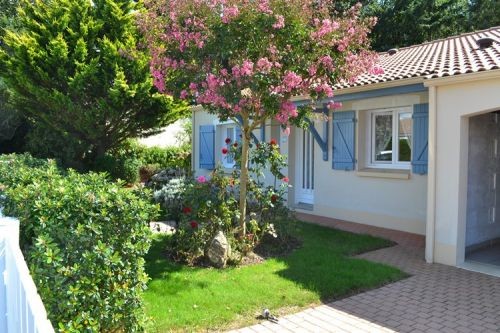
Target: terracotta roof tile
444, 57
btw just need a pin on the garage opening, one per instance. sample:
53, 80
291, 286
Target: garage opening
482, 238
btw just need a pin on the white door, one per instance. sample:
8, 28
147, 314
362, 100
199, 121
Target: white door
304, 167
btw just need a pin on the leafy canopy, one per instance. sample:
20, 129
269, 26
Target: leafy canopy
244, 60
247, 58
79, 75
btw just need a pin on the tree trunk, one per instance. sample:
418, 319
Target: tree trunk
245, 141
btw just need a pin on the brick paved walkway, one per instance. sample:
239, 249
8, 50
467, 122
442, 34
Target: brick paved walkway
436, 298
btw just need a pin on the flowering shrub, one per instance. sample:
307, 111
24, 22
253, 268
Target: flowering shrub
244, 60
211, 204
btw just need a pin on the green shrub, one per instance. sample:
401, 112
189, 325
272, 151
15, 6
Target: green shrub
164, 157
119, 167
147, 171
84, 239
132, 160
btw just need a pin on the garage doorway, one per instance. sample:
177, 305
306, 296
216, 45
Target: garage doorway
482, 237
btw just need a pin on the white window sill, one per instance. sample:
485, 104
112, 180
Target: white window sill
384, 173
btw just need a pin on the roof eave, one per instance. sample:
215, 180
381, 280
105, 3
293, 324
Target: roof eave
468, 77
367, 87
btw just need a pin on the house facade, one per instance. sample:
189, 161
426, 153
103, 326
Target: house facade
414, 149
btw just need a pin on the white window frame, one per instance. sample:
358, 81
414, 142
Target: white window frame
223, 135
370, 139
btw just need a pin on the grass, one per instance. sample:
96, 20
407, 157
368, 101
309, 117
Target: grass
181, 298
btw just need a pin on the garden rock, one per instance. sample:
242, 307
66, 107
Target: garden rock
219, 250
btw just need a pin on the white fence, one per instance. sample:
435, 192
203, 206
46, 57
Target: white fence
21, 309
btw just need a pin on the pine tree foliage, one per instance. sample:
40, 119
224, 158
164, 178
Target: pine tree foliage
79, 75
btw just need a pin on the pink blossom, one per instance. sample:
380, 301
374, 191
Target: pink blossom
229, 13
236, 72
280, 22
290, 81
272, 49
377, 70
327, 62
183, 94
201, 179
193, 86
325, 89
285, 179
334, 105
324, 28
312, 70
213, 82
287, 110
247, 68
264, 65
158, 81
263, 6
286, 131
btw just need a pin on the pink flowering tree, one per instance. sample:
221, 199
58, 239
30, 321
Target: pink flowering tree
245, 59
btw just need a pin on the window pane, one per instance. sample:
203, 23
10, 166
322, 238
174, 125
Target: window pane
383, 137
230, 135
405, 137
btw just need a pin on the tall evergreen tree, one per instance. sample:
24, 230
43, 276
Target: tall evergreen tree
485, 13
408, 22
80, 77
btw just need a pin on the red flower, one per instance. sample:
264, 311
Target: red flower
224, 151
193, 224
285, 179
273, 142
274, 198
235, 144
186, 210
228, 140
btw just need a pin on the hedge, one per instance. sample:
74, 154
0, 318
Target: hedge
126, 162
84, 239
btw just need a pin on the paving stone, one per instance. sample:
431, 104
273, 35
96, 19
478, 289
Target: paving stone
436, 298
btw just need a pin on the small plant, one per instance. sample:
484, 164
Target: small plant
171, 197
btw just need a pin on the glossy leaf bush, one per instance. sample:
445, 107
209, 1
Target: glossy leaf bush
84, 239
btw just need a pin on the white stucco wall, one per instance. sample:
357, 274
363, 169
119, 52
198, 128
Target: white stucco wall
454, 103
365, 196
358, 196
201, 117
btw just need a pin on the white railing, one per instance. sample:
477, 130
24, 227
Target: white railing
21, 308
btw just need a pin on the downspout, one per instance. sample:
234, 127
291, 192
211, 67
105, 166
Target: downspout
431, 178
193, 142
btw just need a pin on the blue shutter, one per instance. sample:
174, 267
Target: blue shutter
207, 147
420, 138
343, 140
237, 134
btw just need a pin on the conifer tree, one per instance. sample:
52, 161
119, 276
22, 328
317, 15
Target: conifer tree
80, 76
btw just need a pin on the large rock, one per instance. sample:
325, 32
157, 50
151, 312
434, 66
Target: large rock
219, 250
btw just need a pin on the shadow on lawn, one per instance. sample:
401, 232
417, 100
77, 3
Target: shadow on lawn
157, 263
325, 263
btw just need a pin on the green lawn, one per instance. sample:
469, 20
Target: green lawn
196, 299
